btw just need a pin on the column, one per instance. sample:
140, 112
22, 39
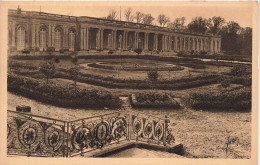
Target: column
137, 40
84, 39
175, 43
101, 39
114, 39
145, 41
126, 40
49, 36
65, 40
53, 35
98, 40
216, 45
81, 39
87, 38
123, 44
163, 46
154, 43
13, 34
33, 36
211, 45
37, 35
219, 46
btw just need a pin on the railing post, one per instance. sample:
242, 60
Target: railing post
128, 126
68, 149
166, 121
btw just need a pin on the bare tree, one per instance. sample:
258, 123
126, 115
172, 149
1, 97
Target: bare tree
139, 17
128, 15
148, 19
112, 15
163, 19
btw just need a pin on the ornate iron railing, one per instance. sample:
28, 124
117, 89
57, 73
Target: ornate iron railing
33, 135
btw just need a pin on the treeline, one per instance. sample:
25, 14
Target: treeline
235, 39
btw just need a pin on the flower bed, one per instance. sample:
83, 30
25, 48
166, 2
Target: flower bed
153, 100
61, 95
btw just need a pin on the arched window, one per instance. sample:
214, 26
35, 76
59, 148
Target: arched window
57, 39
21, 38
71, 40
43, 39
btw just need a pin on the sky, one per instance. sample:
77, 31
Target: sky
241, 14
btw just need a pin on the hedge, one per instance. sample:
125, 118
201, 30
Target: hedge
235, 99
153, 100
61, 95
110, 82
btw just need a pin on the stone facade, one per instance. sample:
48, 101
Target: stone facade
38, 31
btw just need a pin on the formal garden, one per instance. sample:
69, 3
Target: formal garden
190, 91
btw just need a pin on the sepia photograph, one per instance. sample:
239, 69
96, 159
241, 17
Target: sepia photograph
130, 80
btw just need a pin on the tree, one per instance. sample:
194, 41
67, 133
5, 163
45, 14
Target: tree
153, 76
139, 17
163, 20
178, 24
138, 51
74, 72
128, 15
230, 37
215, 24
148, 19
48, 69
112, 15
198, 25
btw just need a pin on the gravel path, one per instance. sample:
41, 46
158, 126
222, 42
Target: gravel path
203, 133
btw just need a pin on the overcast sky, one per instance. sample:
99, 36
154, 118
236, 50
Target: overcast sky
241, 15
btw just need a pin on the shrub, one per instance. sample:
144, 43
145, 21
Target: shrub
48, 69
225, 83
50, 49
180, 53
64, 50
203, 52
152, 76
235, 99
153, 100
110, 52
61, 95
26, 51
138, 51
238, 70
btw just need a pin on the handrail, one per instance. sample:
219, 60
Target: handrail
36, 116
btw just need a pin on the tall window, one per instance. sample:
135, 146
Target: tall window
57, 38
43, 39
71, 40
191, 44
20, 38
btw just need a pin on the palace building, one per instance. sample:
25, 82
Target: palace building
38, 31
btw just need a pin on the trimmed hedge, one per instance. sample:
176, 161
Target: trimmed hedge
61, 95
235, 99
110, 82
153, 100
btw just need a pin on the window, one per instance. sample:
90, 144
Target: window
71, 40
43, 39
21, 38
57, 39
